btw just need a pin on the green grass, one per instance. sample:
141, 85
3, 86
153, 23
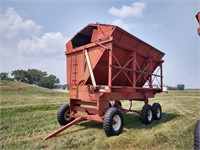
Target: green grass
28, 114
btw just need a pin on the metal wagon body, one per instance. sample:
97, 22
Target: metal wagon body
105, 63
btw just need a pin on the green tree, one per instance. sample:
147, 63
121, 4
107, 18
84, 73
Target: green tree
35, 76
4, 76
180, 87
20, 75
171, 88
49, 82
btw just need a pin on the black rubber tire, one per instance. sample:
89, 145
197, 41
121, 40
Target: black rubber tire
147, 114
196, 136
157, 111
110, 128
62, 117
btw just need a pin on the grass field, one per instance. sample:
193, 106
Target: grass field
28, 114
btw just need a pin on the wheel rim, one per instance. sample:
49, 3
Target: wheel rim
158, 113
116, 122
66, 116
149, 115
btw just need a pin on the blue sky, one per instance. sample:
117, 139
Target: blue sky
33, 33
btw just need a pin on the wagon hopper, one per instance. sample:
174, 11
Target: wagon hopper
107, 65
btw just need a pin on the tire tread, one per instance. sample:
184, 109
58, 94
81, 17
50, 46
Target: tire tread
60, 114
197, 136
144, 114
107, 123
154, 108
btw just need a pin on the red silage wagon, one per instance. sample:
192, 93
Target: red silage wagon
106, 65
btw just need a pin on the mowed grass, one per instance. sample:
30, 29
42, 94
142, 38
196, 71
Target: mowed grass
28, 114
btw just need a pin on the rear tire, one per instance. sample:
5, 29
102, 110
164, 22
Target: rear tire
147, 114
113, 122
63, 115
196, 136
157, 111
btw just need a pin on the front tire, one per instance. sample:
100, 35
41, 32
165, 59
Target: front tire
113, 122
147, 114
63, 115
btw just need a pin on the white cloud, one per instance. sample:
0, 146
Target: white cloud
121, 24
49, 43
12, 24
24, 45
127, 26
135, 10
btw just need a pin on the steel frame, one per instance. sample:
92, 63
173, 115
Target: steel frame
141, 93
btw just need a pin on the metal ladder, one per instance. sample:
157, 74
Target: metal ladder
74, 71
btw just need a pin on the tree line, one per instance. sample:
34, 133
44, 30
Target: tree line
178, 87
32, 76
